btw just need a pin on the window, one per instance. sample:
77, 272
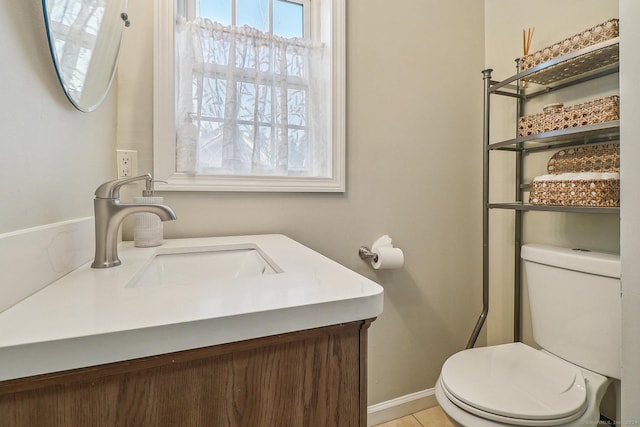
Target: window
253, 98
286, 18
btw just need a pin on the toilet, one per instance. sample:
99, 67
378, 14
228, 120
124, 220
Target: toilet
575, 307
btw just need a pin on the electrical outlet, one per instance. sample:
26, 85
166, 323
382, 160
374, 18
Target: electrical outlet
127, 163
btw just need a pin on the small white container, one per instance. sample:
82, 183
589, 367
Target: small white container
148, 230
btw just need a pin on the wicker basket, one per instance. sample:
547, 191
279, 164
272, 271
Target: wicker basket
605, 31
589, 158
580, 192
586, 113
596, 193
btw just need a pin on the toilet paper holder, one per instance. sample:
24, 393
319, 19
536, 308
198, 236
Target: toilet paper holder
367, 255
382, 254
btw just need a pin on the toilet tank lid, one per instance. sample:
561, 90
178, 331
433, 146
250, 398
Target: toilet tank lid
600, 263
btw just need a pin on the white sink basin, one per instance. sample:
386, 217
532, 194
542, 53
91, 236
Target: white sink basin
203, 265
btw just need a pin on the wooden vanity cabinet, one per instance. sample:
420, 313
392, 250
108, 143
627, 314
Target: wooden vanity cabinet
315, 377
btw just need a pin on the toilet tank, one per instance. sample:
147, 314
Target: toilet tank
575, 303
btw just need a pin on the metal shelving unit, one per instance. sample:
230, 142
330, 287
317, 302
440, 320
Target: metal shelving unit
580, 66
572, 68
519, 206
584, 135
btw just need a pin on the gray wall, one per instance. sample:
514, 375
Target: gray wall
53, 156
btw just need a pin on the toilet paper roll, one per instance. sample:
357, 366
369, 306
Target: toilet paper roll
388, 257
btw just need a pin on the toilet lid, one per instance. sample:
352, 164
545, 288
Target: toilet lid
515, 381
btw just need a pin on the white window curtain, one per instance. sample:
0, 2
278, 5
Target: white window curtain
251, 103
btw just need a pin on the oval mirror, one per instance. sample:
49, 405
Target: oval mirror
84, 39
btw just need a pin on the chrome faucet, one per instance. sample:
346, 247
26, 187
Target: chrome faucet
109, 213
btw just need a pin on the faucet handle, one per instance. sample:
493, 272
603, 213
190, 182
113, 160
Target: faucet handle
111, 189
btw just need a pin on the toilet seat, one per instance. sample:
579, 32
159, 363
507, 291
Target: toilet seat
515, 384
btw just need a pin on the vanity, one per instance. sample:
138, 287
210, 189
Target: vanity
281, 340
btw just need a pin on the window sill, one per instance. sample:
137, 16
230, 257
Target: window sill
184, 182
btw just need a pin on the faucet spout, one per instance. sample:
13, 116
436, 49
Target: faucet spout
109, 214
163, 211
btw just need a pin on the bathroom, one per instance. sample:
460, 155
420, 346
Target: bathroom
413, 168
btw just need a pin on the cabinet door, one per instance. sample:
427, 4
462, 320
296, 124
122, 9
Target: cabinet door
315, 377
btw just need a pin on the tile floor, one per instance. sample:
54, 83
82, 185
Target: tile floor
432, 417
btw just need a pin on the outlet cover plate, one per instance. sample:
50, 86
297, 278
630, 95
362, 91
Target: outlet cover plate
127, 163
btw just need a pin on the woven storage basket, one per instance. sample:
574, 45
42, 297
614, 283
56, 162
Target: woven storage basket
605, 31
589, 158
580, 192
597, 193
595, 111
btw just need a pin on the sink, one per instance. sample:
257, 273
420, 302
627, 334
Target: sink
203, 265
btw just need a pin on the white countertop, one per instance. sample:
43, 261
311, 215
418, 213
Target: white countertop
90, 316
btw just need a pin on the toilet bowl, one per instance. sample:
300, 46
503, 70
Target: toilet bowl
575, 306
514, 384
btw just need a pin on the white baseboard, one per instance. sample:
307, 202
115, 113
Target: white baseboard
401, 406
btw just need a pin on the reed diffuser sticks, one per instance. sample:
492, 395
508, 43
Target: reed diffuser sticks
526, 40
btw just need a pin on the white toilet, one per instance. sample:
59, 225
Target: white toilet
575, 313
